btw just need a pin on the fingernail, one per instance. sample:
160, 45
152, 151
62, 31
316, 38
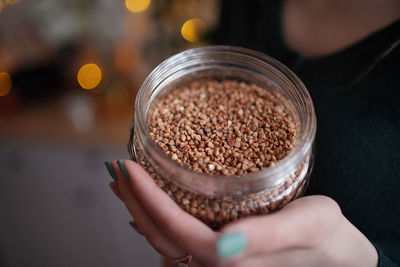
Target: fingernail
231, 244
110, 170
123, 170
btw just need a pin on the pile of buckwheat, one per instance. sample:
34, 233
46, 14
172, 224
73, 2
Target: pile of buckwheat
222, 127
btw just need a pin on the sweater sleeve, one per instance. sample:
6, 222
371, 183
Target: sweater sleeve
384, 261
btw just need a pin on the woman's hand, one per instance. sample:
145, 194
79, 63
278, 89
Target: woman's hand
310, 231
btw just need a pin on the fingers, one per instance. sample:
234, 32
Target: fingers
134, 226
144, 224
301, 224
187, 231
114, 188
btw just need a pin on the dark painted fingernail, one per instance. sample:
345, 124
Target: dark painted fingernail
122, 168
110, 170
231, 244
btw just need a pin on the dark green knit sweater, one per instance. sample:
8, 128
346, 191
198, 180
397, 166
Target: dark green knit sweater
358, 133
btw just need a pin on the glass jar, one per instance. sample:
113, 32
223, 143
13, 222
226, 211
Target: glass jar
217, 199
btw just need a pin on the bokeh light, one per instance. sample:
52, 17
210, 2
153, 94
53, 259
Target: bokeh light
137, 5
193, 29
5, 83
11, 2
89, 76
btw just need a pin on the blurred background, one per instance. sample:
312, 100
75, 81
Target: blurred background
69, 73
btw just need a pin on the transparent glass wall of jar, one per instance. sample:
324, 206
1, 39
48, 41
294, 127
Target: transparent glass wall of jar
217, 199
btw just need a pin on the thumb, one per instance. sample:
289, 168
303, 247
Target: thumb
249, 237
301, 223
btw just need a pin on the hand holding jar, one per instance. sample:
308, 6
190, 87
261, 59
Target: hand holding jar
310, 231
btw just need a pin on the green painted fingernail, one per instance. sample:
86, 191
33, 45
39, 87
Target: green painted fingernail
231, 244
123, 170
110, 170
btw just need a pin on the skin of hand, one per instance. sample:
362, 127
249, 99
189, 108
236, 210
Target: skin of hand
310, 231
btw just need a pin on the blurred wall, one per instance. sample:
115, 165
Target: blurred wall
57, 210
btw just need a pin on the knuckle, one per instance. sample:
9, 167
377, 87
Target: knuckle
327, 216
329, 206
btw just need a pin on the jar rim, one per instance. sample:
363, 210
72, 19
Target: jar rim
205, 183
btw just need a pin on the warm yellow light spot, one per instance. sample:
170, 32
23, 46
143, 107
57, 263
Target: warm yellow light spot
5, 83
11, 2
137, 5
193, 29
89, 76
